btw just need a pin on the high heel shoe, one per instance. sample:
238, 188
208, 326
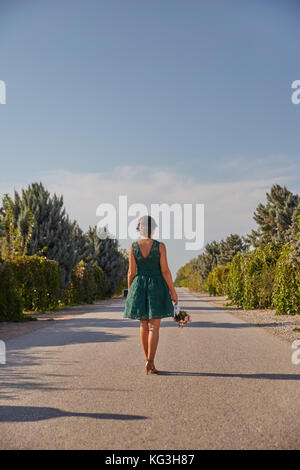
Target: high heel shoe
154, 370
150, 366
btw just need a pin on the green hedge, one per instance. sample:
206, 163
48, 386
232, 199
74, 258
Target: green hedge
216, 282
235, 282
266, 277
38, 278
11, 304
99, 284
86, 285
194, 283
259, 275
187, 276
123, 284
286, 293
31, 283
251, 276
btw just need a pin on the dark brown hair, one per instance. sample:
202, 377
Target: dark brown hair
148, 222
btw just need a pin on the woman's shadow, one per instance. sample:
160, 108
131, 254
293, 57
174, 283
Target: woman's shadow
242, 376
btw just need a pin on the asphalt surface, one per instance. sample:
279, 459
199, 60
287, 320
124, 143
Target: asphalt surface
79, 383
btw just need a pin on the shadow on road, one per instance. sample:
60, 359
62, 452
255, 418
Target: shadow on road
17, 375
74, 331
12, 414
208, 324
207, 309
242, 376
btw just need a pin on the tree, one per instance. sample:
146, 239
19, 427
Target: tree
215, 254
108, 258
208, 260
82, 244
229, 247
52, 233
125, 258
294, 256
294, 230
274, 219
12, 244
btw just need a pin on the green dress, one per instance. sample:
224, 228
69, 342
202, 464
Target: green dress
148, 296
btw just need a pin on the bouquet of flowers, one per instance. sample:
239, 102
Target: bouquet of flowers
181, 316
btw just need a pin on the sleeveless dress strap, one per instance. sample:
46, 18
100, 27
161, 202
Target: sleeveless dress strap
153, 251
155, 246
133, 248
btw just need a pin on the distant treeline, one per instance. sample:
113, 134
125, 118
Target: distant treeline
261, 270
47, 261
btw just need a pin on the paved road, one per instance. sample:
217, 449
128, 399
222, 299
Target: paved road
79, 383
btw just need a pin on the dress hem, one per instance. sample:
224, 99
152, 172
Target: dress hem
148, 318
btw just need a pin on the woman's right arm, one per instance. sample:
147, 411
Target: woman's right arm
132, 267
166, 272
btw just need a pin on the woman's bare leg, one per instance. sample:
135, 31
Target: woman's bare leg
154, 325
144, 334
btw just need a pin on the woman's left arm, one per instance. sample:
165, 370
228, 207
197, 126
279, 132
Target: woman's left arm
166, 272
132, 267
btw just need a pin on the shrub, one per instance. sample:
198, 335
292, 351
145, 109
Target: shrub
235, 281
216, 281
188, 276
39, 279
11, 304
194, 283
182, 283
121, 286
259, 274
86, 284
286, 291
209, 284
99, 284
251, 277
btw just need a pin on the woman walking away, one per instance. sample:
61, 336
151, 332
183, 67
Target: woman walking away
150, 288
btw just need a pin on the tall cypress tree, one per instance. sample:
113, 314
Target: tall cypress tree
53, 232
217, 253
294, 230
295, 237
274, 219
109, 258
83, 245
229, 247
208, 260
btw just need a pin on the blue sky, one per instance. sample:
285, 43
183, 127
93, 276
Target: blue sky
196, 94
